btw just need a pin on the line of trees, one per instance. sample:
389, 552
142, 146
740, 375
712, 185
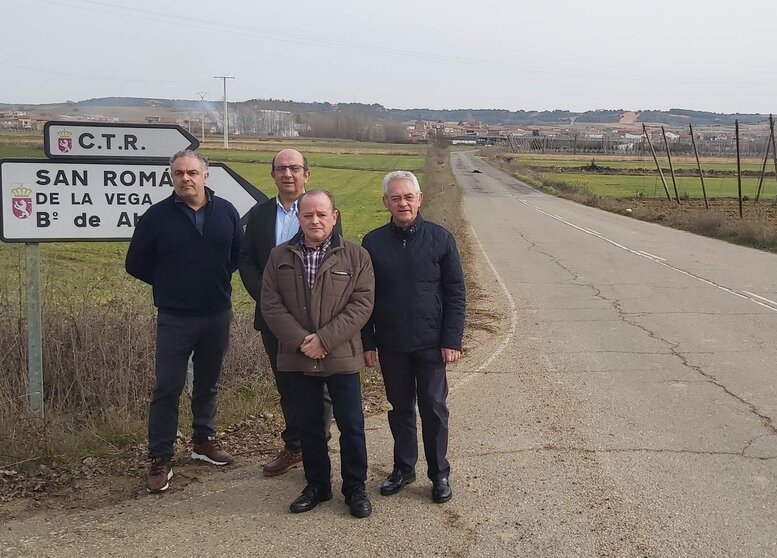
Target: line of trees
252, 119
359, 127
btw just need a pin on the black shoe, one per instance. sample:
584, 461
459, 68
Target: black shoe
395, 481
310, 498
358, 503
441, 491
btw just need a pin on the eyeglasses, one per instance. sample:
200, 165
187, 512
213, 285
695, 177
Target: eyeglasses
280, 169
409, 198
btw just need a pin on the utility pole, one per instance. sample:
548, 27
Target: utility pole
202, 95
226, 114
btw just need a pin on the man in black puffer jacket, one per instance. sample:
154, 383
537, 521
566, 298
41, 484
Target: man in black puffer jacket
417, 327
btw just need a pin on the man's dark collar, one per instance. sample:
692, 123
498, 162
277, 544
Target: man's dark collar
410, 229
325, 242
208, 197
299, 239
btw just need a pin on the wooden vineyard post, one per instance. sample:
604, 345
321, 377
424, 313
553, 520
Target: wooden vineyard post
671, 167
698, 164
660, 172
739, 167
763, 166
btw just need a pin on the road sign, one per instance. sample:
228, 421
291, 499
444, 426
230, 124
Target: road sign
43, 200
96, 140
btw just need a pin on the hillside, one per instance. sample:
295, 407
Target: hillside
138, 108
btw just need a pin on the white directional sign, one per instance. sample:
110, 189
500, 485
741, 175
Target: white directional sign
44, 200
69, 140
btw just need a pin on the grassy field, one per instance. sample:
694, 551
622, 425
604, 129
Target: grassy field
626, 184
20, 151
614, 185
345, 160
628, 163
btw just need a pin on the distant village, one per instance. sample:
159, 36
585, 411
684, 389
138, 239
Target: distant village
624, 137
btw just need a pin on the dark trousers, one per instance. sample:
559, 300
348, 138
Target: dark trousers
176, 339
289, 400
420, 376
345, 390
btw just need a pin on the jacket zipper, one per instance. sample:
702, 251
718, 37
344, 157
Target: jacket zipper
404, 343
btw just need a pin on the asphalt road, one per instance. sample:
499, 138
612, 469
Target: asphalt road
639, 393
626, 408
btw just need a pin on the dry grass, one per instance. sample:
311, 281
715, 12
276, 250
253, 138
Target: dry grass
308, 145
442, 204
98, 363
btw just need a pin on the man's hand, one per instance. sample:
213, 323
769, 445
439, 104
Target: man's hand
370, 358
312, 348
450, 355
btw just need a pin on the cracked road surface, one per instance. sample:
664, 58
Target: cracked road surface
625, 408
633, 412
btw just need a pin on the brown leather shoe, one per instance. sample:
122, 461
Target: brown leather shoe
210, 451
286, 460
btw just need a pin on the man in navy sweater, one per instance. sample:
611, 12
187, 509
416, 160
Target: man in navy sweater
186, 247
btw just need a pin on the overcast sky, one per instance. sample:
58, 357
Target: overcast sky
538, 55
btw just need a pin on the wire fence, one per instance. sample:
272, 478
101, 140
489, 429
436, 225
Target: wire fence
711, 141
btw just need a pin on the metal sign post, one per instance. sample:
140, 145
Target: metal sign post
34, 331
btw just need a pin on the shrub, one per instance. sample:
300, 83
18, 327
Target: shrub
707, 223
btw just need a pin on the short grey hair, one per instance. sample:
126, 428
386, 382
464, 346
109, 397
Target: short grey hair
189, 153
400, 175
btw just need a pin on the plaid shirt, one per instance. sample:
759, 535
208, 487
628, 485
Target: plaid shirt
312, 258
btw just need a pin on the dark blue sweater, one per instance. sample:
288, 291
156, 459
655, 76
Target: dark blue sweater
190, 272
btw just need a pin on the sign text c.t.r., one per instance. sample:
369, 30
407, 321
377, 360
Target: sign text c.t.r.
126, 142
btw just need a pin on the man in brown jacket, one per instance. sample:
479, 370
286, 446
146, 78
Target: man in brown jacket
317, 293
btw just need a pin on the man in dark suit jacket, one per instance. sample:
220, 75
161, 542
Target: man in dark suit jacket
271, 223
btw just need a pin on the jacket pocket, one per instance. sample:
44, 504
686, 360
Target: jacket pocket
338, 283
438, 306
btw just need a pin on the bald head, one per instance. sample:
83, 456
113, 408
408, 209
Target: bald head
317, 216
290, 173
289, 152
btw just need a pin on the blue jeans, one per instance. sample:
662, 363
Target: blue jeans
176, 339
345, 391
